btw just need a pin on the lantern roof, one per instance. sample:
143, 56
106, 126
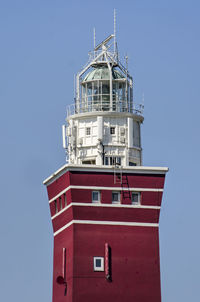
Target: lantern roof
101, 72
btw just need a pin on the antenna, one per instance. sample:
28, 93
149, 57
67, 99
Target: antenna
126, 58
94, 31
104, 42
74, 86
114, 30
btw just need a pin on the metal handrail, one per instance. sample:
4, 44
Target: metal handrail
103, 106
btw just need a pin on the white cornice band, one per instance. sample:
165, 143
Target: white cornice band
95, 168
114, 223
104, 205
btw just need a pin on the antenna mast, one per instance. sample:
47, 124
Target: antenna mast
94, 32
94, 37
114, 31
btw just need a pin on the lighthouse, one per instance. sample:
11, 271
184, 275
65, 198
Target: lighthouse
104, 203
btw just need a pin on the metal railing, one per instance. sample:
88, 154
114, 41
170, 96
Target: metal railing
104, 105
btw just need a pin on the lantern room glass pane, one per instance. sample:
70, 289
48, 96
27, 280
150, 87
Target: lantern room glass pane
89, 89
105, 89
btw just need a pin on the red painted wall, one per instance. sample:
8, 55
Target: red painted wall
103, 179
134, 249
134, 259
64, 240
105, 214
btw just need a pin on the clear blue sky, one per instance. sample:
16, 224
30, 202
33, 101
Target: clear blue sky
42, 45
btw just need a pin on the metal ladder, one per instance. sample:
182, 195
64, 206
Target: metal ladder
120, 178
124, 184
117, 174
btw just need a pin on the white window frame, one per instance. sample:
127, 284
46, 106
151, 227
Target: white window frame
119, 197
139, 195
88, 130
98, 268
99, 197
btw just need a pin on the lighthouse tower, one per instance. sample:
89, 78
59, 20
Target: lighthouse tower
104, 203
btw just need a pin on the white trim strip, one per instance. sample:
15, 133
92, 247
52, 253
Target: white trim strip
105, 205
106, 188
106, 223
116, 188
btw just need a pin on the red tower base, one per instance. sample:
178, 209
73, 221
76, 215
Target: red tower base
106, 241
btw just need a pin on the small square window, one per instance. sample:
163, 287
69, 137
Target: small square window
98, 264
135, 198
88, 131
115, 197
112, 130
95, 196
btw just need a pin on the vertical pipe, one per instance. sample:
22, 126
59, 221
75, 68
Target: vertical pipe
101, 92
86, 97
98, 95
93, 107
131, 96
107, 262
126, 91
130, 132
74, 86
64, 136
100, 128
64, 264
77, 93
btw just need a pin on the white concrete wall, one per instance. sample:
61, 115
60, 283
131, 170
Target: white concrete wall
125, 142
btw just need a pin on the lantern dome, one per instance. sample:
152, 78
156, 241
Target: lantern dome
102, 73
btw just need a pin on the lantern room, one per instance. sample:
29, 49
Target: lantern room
104, 89
104, 85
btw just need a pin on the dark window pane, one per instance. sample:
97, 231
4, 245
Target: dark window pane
135, 198
115, 196
95, 196
98, 262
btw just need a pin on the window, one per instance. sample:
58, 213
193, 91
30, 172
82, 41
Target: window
106, 161
112, 130
60, 202
135, 198
122, 131
132, 163
65, 200
56, 207
117, 161
115, 197
88, 131
98, 264
95, 196
112, 160
89, 162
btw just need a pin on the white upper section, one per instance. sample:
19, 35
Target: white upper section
103, 125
